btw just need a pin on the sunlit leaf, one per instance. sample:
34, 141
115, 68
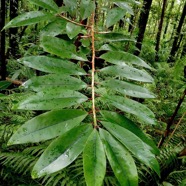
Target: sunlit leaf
54, 80
122, 58
29, 18
94, 160
122, 121
133, 107
134, 144
72, 30
127, 88
51, 99
52, 65
120, 160
62, 151
47, 126
128, 72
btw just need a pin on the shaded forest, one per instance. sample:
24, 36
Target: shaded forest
92, 92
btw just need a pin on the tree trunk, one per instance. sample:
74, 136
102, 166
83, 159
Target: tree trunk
142, 25
158, 36
168, 18
2, 41
175, 45
13, 32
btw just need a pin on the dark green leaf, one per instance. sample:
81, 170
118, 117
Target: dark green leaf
4, 85
62, 151
120, 160
122, 58
47, 126
52, 65
29, 18
87, 7
132, 127
129, 89
48, 4
61, 48
54, 80
51, 99
132, 107
54, 28
134, 144
113, 16
71, 6
72, 30
94, 160
128, 72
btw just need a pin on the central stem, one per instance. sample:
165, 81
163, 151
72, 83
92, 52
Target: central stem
93, 71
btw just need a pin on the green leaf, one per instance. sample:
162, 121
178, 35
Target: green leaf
72, 30
122, 121
61, 48
71, 6
62, 151
134, 144
125, 6
47, 126
122, 58
127, 88
51, 99
113, 16
120, 160
48, 4
94, 160
29, 18
114, 37
52, 65
128, 72
132, 107
4, 85
54, 28
54, 80
87, 7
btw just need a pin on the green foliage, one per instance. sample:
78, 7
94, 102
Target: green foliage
73, 97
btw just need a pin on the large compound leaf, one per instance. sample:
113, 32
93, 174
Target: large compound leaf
47, 126
54, 80
120, 160
114, 15
127, 88
121, 58
134, 144
61, 48
128, 72
52, 65
122, 121
132, 107
62, 151
48, 4
29, 18
51, 99
94, 160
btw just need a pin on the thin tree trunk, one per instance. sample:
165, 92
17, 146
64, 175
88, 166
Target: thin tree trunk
175, 45
142, 25
13, 32
158, 36
2, 42
168, 18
